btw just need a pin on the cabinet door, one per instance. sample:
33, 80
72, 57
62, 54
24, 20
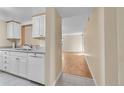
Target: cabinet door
17, 31
10, 30
13, 30
42, 25
6, 63
14, 64
23, 67
1, 63
36, 69
35, 31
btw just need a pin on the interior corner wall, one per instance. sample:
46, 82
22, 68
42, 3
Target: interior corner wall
53, 46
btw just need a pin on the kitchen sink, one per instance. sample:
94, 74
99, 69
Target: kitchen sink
22, 49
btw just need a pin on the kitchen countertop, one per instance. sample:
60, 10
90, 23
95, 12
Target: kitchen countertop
23, 50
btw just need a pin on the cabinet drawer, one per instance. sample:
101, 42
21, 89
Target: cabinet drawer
1, 62
18, 54
6, 67
5, 53
1, 53
5, 57
5, 62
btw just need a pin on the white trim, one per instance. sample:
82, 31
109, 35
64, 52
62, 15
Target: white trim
73, 51
27, 23
60, 74
91, 71
73, 34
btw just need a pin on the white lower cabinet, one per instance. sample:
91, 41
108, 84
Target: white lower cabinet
21, 64
18, 66
36, 69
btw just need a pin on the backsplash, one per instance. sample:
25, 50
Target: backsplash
38, 48
30, 40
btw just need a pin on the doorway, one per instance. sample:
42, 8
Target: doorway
73, 58
74, 64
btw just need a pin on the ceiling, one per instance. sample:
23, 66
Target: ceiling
20, 14
73, 11
73, 18
75, 24
24, 13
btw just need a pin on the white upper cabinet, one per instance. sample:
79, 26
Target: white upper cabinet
39, 26
13, 30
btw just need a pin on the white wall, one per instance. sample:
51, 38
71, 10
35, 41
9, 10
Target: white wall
3, 37
110, 30
72, 43
74, 24
53, 46
120, 30
101, 45
94, 45
30, 40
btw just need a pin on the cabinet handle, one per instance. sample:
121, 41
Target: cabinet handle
5, 67
32, 56
36, 56
5, 57
17, 59
5, 61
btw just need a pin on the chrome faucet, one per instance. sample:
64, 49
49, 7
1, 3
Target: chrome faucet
29, 45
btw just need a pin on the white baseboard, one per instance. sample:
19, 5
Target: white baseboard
91, 71
57, 78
